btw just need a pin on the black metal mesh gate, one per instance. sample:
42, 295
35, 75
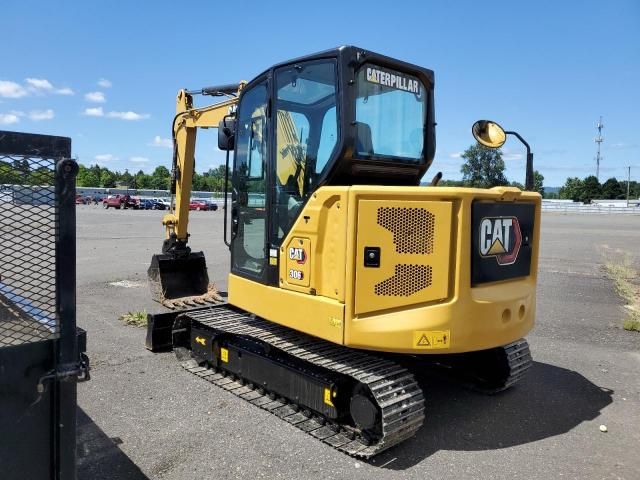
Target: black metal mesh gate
41, 350
28, 234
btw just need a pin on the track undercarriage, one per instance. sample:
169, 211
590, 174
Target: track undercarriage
358, 402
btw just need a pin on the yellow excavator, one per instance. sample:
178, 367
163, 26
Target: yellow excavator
346, 273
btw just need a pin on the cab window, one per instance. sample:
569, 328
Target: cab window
306, 133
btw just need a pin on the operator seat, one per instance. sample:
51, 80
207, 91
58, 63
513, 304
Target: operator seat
364, 143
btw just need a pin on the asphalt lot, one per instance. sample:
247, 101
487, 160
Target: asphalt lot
142, 416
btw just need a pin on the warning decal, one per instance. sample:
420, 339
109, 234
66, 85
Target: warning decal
431, 339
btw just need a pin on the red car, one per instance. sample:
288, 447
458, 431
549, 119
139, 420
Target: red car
198, 205
121, 201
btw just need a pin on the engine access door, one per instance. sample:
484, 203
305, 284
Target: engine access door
403, 253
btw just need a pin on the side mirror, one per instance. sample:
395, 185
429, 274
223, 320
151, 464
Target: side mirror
226, 133
489, 133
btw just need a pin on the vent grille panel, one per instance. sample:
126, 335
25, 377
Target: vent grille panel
414, 258
407, 280
413, 229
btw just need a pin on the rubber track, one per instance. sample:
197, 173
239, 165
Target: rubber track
394, 388
519, 359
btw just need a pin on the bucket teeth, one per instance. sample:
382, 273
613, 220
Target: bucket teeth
210, 298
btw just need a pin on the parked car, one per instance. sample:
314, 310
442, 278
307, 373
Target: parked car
164, 201
121, 201
213, 206
151, 204
198, 205
80, 200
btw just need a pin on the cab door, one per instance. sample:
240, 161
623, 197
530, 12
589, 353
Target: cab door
249, 213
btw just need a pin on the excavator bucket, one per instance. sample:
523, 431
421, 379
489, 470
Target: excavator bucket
174, 279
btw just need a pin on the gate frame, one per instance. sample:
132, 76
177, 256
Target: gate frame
70, 362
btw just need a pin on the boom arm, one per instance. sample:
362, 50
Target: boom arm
185, 124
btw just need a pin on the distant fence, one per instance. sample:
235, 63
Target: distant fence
103, 192
579, 208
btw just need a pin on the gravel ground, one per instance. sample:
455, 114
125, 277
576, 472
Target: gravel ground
142, 416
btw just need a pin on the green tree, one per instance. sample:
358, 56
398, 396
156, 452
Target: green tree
214, 178
160, 178
538, 182
571, 190
611, 189
8, 174
41, 176
21, 165
143, 180
96, 170
125, 178
107, 178
483, 167
87, 177
591, 189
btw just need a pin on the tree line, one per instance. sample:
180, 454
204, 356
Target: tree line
160, 179
483, 168
589, 188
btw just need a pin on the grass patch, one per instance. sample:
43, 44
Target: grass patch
632, 324
625, 279
136, 319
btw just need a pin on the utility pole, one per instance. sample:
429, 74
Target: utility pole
628, 182
599, 140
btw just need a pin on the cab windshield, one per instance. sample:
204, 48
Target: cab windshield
390, 114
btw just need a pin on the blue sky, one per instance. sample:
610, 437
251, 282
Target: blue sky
106, 73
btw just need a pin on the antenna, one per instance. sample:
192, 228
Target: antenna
599, 139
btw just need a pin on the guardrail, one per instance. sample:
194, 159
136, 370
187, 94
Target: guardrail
589, 209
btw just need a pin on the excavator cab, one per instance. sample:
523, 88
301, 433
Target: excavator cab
340, 117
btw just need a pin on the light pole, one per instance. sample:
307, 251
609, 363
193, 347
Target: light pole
492, 135
628, 182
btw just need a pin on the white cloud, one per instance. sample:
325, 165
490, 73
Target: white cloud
456, 155
133, 116
158, 141
624, 146
8, 118
39, 83
37, 115
139, 159
11, 89
105, 157
42, 85
104, 83
64, 91
96, 97
94, 112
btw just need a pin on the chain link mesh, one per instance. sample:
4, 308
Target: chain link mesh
28, 231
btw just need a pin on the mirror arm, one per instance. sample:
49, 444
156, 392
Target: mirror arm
528, 182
